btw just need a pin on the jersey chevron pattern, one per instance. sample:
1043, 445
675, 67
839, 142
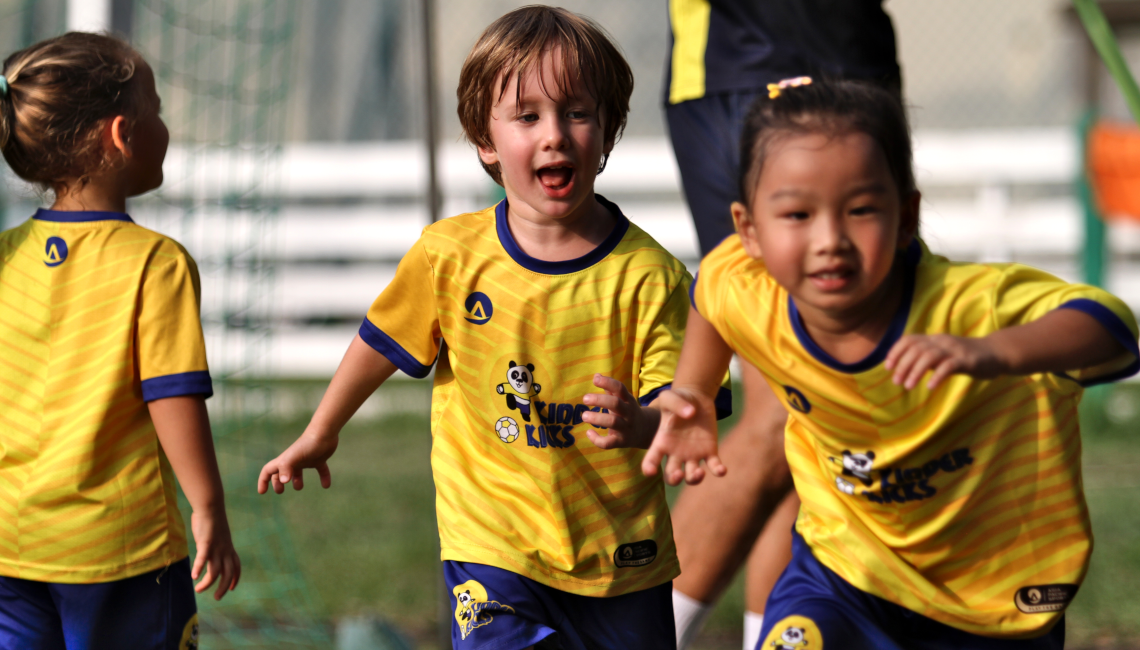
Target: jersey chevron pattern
519, 486
97, 316
964, 503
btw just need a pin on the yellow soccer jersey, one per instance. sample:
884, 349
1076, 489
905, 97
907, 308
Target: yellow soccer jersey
964, 503
97, 317
519, 486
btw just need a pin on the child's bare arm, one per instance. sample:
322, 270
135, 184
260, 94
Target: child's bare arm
184, 432
630, 424
687, 433
1062, 340
360, 373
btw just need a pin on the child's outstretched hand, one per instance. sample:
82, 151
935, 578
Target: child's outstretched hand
913, 355
687, 435
630, 424
308, 451
215, 552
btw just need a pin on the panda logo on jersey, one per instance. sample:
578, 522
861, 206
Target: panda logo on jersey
857, 465
519, 388
793, 638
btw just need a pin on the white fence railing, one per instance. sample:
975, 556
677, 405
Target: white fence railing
349, 212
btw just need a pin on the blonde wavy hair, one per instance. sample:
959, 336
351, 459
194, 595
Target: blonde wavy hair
61, 91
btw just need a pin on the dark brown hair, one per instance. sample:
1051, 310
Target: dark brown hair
60, 92
833, 108
513, 45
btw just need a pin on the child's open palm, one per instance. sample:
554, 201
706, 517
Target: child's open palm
687, 435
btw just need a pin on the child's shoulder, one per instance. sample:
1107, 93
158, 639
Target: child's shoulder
729, 261
162, 248
947, 277
123, 235
646, 252
480, 222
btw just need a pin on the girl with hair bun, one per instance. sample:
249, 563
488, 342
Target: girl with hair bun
103, 375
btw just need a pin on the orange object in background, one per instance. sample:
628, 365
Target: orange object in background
1113, 158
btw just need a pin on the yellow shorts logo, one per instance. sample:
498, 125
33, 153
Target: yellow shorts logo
190, 635
794, 633
472, 609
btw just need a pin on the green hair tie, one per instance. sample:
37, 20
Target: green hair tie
3, 86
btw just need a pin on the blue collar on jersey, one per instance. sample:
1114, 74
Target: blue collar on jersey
568, 266
894, 331
80, 216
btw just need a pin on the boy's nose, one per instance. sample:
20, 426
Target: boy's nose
555, 135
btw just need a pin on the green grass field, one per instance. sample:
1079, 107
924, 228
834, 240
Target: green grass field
368, 546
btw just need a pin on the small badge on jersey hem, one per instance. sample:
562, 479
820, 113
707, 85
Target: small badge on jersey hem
1042, 599
636, 553
55, 252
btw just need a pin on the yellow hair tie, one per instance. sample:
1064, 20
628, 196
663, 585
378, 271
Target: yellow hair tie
794, 82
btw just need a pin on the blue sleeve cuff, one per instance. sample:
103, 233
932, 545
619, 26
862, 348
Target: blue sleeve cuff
647, 398
722, 401
693, 291
177, 385
1117, 329
388, 347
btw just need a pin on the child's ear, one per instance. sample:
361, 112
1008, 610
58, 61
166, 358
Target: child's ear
116, 136
908, 218
746, 228
488, 156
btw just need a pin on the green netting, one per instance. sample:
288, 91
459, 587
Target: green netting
222, 69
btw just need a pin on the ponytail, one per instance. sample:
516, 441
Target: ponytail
59, 94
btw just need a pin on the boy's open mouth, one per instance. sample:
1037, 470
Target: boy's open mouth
556, 177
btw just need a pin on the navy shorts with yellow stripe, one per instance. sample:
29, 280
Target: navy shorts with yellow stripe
151, 611
705, 133
811, 607
495, 609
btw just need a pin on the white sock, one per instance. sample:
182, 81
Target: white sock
752, 624
690, 615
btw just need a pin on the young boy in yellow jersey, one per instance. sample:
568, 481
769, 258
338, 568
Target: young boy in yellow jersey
546, 539
945, 513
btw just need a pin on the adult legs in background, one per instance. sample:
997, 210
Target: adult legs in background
769, 556
716, 524
705, 134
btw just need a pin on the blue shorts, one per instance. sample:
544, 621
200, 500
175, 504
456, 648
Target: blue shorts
152, 611
499, 610
706, 141
811, 607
